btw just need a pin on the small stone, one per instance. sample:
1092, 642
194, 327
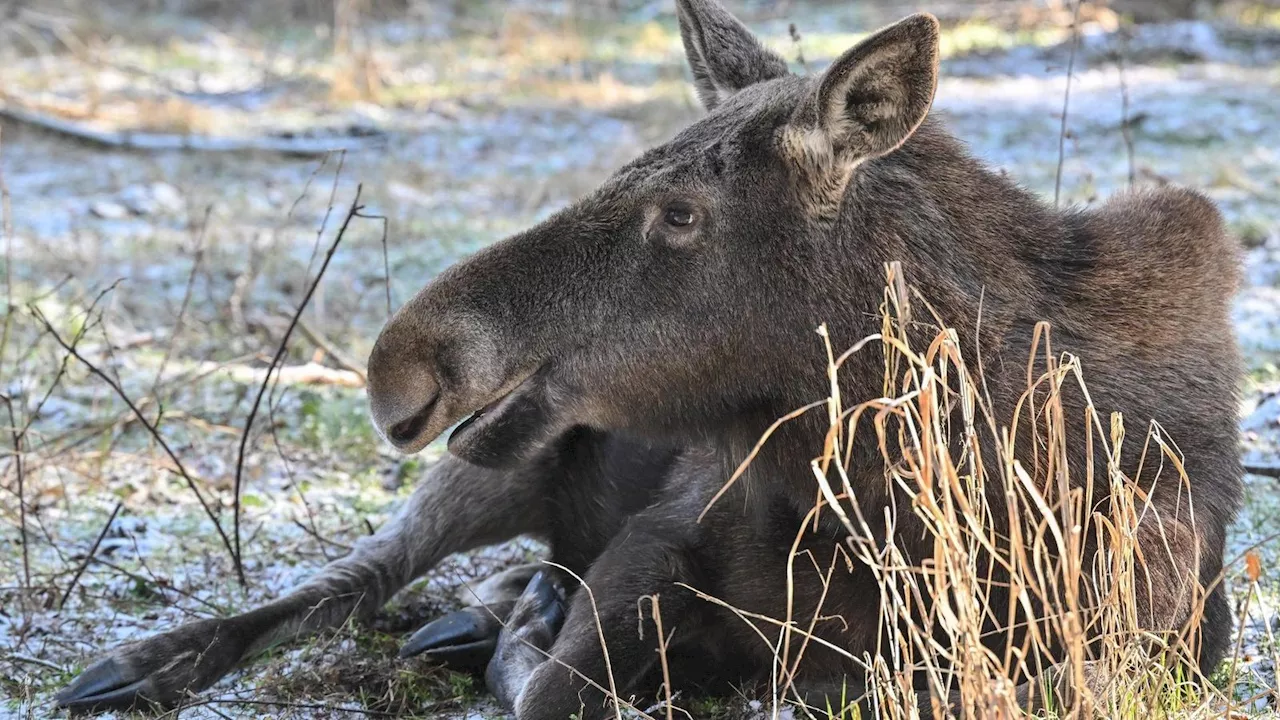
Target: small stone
138, 199
167, 197
108, 209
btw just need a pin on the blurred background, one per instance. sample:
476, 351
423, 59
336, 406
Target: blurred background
173, 175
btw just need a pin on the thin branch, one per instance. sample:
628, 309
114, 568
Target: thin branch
315, 533
89, 324
306, 187
88, 558
328, 211
288, 467
37, 661
275, 361
6, 227
161, 587
1126, 130
180, 468
22, 491
386, 263
604, 647
186, 302
345, 361
1066, 103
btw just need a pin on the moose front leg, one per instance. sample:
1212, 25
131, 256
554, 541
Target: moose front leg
544, 672
457, 507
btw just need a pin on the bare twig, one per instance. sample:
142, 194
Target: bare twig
162, 586
6, 227
89, 556
186, 302
1066, 103
180, 468
315, 533
22, 491
276, 360
37, 661
328, 211
1126, 131
288, 469
88, 325
339, 355
386, 263
306, 187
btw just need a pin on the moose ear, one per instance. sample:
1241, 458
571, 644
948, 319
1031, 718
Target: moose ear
723, 54
875, 95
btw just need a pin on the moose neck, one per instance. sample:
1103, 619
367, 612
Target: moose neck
950, 222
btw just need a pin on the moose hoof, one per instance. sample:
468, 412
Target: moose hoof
539, 613
464, 640
104, 686
159, 671
528, 636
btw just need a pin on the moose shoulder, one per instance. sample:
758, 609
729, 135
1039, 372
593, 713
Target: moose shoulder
613, 365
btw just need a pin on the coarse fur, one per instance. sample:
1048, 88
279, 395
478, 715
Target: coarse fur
619, 360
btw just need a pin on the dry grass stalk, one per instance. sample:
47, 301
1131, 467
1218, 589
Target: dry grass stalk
935, 426
604, 646
663, 639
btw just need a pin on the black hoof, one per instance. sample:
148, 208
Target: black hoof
102, 687
464, 639
543, 601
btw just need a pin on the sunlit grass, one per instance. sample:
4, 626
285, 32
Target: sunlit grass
938, 436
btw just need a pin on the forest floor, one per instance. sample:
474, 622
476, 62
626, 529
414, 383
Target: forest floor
179, 270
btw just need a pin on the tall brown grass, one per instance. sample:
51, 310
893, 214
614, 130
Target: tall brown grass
936, 426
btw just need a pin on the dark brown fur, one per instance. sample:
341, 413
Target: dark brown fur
626, 362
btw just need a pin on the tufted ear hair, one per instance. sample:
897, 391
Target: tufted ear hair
871, 99
723, 54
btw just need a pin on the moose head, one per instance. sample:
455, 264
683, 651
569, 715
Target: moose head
672, 298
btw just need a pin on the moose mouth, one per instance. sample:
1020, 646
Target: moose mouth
507, 429
460, 429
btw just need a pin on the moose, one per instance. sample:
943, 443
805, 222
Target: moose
609, 368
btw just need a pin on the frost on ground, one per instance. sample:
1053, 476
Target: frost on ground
209, 253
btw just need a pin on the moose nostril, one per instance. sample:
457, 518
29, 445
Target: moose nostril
408, 429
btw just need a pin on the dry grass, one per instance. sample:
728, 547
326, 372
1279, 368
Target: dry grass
935, 427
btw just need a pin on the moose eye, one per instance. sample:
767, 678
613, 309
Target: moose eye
678, 217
